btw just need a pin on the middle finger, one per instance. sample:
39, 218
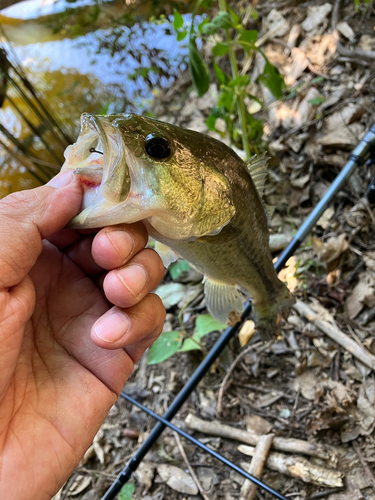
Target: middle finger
128, 285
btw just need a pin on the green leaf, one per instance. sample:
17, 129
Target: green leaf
221, 77
273, 80
235, 18
240, 81
211, 122
178, 20
126, 492
226, 100
164, 347
205, 324
220, 49
178, 268
198, 69
171, 293
190, 345
317, 100
317, 79
203, 23
222, 20
181, 35
247, 39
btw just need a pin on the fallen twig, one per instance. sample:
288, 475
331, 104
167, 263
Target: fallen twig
249, 489
187, 463
356, 54
333, 332
299, 468
322, 494
229, 373
365, 466
290, 445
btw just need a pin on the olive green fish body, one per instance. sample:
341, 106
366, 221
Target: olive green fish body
197, 199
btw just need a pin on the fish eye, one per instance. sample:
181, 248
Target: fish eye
157, 147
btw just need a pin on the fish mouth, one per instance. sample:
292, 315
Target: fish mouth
98, 159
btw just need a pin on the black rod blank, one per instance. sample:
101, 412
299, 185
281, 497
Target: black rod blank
357, 157
205, 448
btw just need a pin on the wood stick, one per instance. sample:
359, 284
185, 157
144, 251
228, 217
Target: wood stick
229, 373
190, 468
249, 489
333, 332
216, 428
299, 468
365, 466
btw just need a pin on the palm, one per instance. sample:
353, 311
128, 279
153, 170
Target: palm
57, 386
65, 351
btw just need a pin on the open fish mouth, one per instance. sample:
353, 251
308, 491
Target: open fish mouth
98, 159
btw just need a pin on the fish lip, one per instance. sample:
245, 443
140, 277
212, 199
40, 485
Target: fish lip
93, 122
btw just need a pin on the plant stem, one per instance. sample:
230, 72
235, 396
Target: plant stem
240, 102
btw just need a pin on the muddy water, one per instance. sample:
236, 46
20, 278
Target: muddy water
73, 75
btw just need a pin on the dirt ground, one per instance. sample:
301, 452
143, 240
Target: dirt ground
306, 385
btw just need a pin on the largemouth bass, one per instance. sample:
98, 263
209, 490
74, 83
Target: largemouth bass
197, 198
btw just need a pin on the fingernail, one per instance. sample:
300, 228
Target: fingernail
134, 278
61, 180
112, 327
122, 242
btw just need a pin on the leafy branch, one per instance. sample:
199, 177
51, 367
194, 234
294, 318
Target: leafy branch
231, 107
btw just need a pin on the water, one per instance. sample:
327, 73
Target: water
95, 72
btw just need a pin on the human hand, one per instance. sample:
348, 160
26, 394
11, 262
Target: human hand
58, 380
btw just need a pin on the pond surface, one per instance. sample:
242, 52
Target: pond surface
111, 66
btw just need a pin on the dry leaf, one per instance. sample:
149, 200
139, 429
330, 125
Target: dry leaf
145, 474
348, 114
322, 313
277, 23
306, 108
346, 137
80, 484
325, 219
177, 479
279, 241
344, 395
363, 290
331, 251
257, 424
346, 31
317, 15
367, 414
306, 384
301, 181
247, 332
294, 70
287, 275
369, 260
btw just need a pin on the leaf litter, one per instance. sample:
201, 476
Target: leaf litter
311, 389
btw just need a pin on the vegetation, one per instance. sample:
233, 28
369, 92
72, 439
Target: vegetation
240, 125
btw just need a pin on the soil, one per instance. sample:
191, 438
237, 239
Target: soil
305, 385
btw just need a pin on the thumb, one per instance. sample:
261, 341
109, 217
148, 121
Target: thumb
26, 217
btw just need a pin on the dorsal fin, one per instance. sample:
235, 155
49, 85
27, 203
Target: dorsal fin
256, 166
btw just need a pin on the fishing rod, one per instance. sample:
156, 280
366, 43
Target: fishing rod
205, 448
359, 155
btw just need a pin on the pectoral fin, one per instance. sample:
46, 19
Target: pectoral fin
166, 254
222, 299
